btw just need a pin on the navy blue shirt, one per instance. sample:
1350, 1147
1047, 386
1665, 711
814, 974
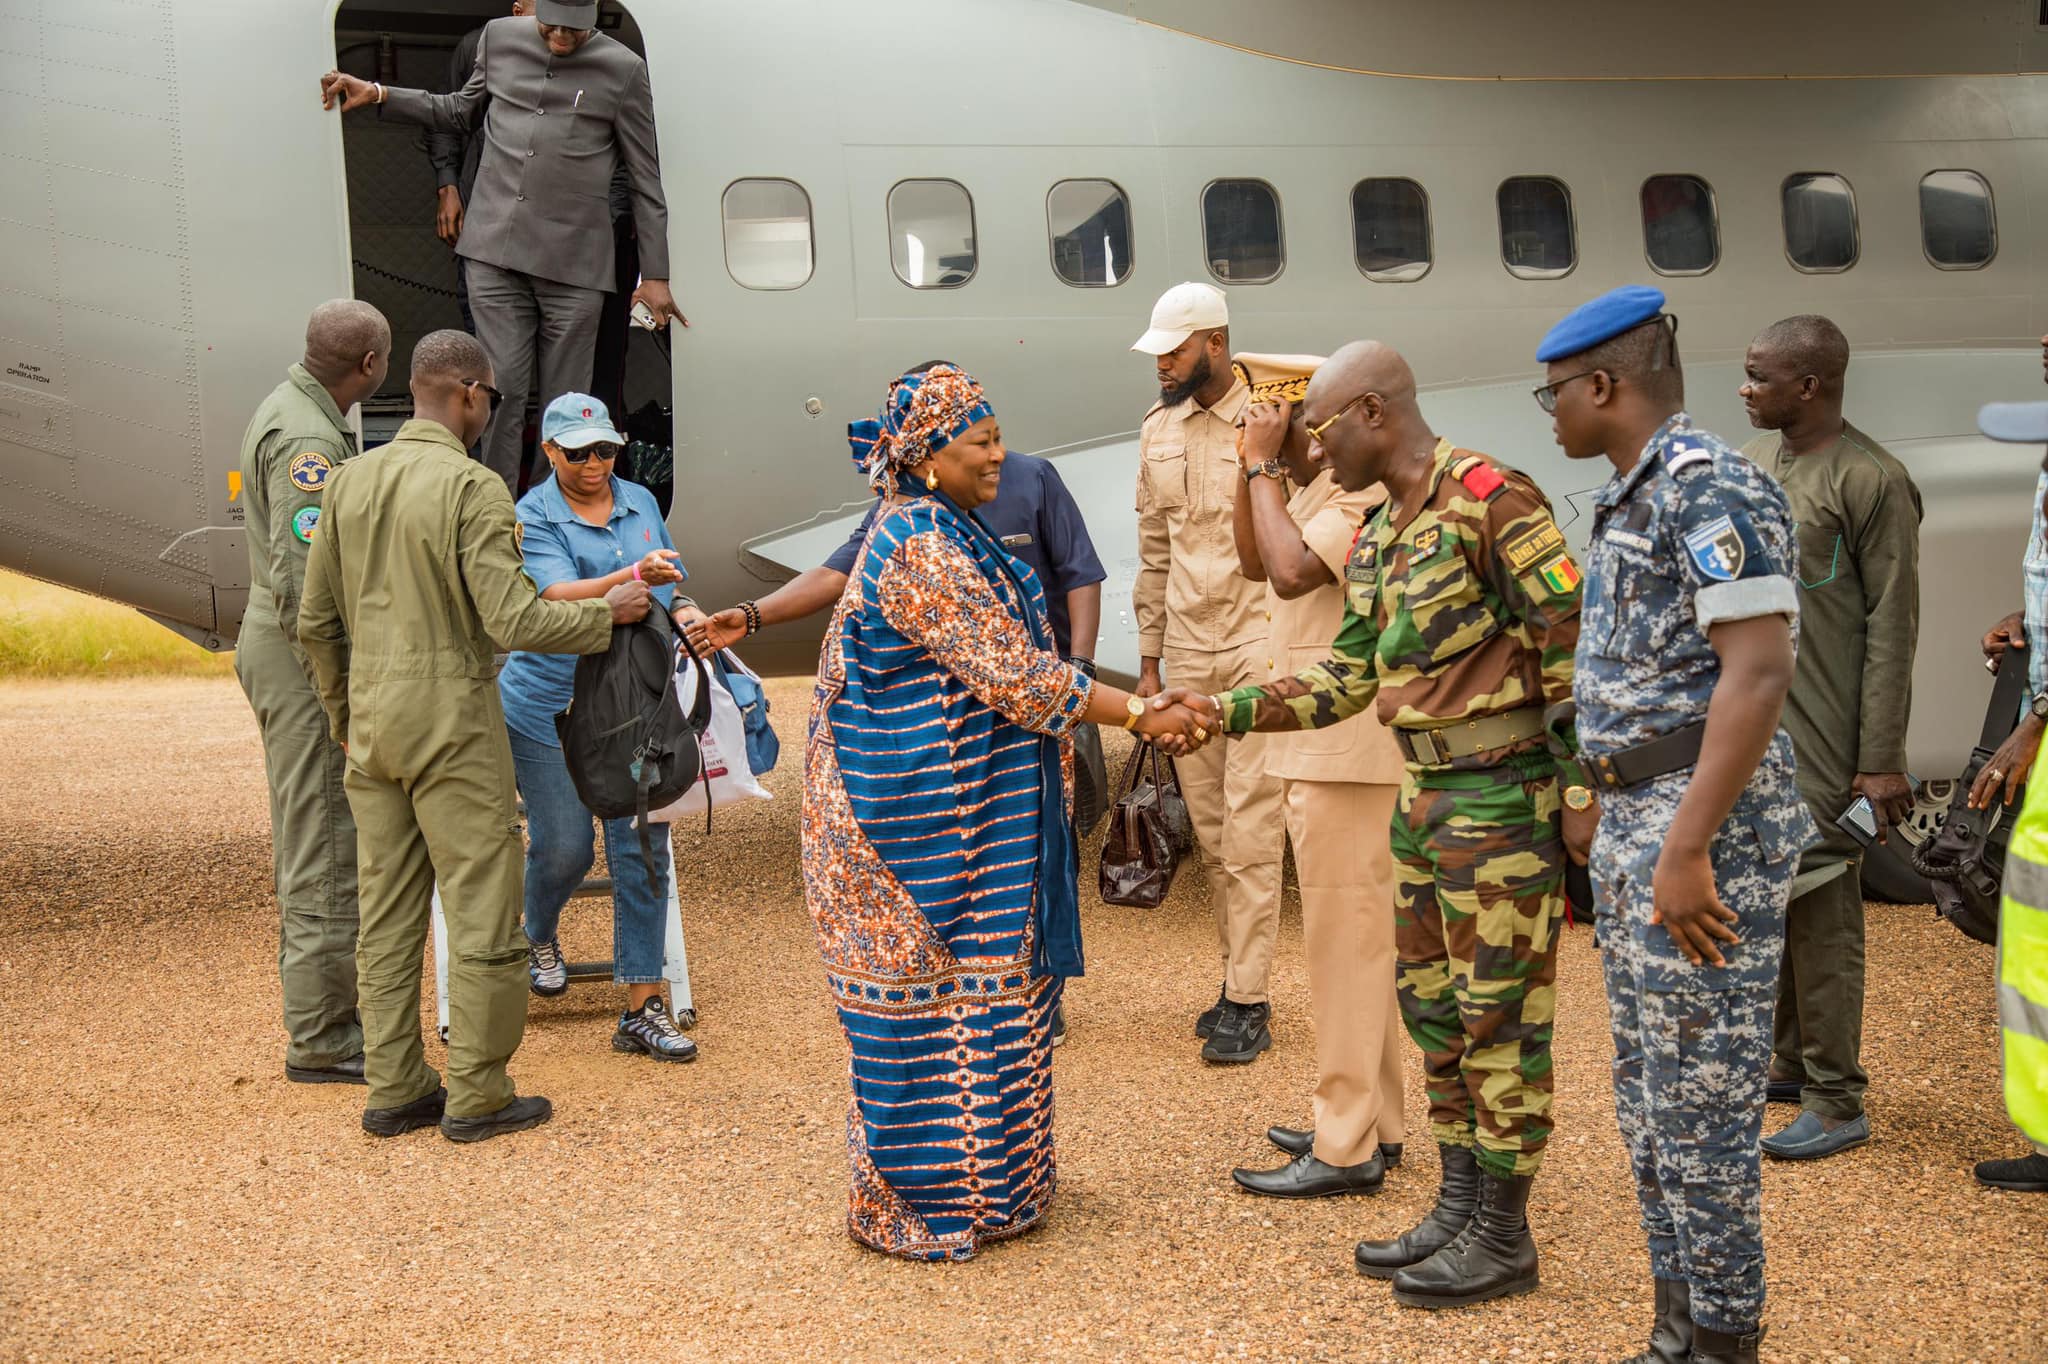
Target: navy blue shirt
1038, 521
561, 547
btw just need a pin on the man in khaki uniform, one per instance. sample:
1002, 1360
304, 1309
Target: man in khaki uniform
297, 438
1294, 528
1205, 625
415, 580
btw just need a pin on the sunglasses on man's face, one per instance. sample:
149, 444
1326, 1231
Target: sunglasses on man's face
489, 392
603, 450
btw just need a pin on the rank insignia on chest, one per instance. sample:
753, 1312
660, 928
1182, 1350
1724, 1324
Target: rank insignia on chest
1560, 574
1365, 563
1427, 540
309, 470
304, 522
1717, 549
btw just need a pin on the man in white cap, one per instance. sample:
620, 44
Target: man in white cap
1203, 625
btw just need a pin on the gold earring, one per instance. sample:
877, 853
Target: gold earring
931, 479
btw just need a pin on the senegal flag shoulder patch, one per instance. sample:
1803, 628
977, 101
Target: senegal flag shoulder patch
1560, 574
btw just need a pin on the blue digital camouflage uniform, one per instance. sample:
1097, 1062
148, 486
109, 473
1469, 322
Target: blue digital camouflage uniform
1693, 535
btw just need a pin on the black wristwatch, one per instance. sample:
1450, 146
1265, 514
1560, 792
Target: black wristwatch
1086, 665
2039, 706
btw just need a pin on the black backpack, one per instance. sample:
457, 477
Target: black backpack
628, 745
1964, 860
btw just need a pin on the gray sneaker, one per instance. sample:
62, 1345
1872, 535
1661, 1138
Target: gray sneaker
546, 972
650, 1031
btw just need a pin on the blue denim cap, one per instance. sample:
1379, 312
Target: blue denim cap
575, 420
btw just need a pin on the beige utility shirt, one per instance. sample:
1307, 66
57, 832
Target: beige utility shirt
1358, 749
1189, 592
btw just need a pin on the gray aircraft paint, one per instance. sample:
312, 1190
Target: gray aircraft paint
179, 206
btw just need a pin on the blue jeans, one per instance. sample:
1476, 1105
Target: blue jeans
561, 846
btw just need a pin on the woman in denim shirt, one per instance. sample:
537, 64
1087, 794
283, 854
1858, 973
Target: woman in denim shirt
583, 532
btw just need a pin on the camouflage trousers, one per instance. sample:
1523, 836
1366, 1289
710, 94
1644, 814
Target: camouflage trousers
1478, 899
1692, 1045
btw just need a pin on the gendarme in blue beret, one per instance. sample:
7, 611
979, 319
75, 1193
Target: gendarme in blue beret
1603, 319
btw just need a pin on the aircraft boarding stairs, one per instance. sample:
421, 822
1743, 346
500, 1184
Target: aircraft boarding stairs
675, 961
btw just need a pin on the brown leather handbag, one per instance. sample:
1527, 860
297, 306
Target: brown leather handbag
1149, 833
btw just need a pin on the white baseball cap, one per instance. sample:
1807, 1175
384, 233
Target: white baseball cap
1180, 312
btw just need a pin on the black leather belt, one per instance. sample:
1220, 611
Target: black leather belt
1673, 752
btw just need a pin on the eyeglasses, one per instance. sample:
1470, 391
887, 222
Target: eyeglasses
1546, 395
549, 30
603, 450
1316, 432
489, 392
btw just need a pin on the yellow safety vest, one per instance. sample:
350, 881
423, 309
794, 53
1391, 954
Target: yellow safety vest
2023, 964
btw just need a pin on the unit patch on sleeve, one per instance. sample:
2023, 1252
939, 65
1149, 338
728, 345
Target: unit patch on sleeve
1717, 549
309, 471
1560, 574
1531, 547
304, 522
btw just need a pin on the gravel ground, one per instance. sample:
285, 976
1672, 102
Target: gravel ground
167, 1194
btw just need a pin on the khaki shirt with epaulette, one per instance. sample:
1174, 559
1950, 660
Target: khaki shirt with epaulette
1190, 593
415, 574
294, 443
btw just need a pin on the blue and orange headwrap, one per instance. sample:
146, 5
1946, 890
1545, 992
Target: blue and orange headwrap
923, 414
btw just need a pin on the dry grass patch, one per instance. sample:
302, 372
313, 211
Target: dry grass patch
50, 631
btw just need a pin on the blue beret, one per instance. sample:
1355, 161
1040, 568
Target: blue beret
1603, 319
2025, 423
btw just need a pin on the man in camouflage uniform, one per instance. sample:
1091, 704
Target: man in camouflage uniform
1461, 613
297, 439
1685, 657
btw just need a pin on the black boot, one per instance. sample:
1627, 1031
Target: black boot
1457, 1198
1497, 1258
1717, 1347
1671, 1336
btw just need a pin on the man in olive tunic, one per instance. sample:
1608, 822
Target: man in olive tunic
298, 437
1857, 521
415, 581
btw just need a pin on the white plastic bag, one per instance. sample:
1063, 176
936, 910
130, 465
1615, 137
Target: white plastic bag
724, 747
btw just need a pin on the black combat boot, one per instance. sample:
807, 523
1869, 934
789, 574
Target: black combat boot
1718, 1347
1457, 1198
1671, 1336
1496, 1258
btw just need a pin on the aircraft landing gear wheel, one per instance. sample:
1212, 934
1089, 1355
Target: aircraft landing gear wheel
1887, 875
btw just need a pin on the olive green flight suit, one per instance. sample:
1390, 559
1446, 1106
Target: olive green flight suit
415, 581
295, 441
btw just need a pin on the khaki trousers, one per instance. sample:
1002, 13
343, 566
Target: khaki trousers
1235, 806
1346, 867
430, 780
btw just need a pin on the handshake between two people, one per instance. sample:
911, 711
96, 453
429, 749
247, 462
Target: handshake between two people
1178, 721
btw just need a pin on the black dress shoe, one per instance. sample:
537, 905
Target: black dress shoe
396, 1122
1206, 1021
349, 1072
528, 1110
1307, 1177
1299, 1141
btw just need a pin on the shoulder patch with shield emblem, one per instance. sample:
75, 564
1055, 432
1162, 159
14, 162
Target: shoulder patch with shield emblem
1717, 549
309, 470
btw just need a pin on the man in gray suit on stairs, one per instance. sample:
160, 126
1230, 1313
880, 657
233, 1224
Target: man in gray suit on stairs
566, 105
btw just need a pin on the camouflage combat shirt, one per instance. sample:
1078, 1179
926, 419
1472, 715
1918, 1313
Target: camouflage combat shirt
1467, 607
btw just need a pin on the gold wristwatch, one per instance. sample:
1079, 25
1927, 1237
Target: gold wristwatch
1578, 798
1136, 706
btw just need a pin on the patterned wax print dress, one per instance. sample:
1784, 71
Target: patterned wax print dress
921, 830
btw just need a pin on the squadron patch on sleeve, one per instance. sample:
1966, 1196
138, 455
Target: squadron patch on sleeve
309, 470
1720, 548
304, 522
1530, 547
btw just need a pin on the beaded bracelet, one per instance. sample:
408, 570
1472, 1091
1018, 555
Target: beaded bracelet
753, 614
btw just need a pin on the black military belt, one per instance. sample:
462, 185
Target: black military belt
1464, 738
1673, 752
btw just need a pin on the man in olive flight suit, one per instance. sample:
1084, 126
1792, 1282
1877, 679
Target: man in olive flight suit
414, 581
297, 438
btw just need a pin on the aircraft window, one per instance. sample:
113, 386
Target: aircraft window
1820, 223
1958, 228
1680, 234
931, 233
1090, 223
767, 234
1241, 231
1390, 230
1536, 227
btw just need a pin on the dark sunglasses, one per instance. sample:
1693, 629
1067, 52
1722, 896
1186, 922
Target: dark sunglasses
489, 392
603, 450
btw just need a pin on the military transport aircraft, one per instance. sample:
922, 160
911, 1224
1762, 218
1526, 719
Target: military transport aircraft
1010, 183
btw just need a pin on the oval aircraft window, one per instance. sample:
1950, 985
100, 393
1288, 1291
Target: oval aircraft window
767, 234
1536, 227
1390, 230
1958, 229
1820, 223
1680, 233
1090, 224
931, 233
1241, 231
